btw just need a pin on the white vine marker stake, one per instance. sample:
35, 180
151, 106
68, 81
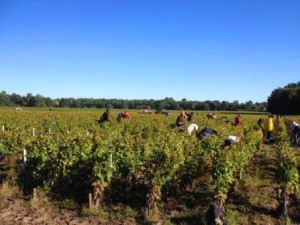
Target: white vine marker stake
111, 160
34, 193
24, 155
90, 200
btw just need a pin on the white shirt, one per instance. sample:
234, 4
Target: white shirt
233, 138
191, 127
294, 124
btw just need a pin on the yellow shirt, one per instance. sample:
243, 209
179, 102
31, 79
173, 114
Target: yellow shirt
268, 124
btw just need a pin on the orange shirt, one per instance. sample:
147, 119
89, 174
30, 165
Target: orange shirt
126, 115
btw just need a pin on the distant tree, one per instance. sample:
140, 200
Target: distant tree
36, 101
172, 104
64, 102
202, 106
16, 99
285, 100
4, 99
75, 103
49, 102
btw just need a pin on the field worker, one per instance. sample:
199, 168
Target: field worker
180, 119
190, 116
211, 116
215, 215
104, 117
190, 128
206, 132
268, 128
296, 132
237, 120
126, 115
260, 122
231, 139
225, 119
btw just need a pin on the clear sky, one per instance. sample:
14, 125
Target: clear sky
149, 49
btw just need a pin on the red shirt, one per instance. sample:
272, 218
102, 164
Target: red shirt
238, 120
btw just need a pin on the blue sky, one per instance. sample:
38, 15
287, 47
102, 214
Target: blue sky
199, 50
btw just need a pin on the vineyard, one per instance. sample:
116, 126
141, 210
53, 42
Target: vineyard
148, 171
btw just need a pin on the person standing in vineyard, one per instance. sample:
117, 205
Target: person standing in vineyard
119, 116
268, 128
296, 132
237, 120
123, 115
126, 115
190, 116
180, 119
215, 215
104, 117
260, 122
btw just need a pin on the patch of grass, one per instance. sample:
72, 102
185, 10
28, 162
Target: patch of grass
286, 221
8, 191
68, 204
254, 181
98, 212
188, 216
41, 202
234, 217
189, 211
258, 219
154, 217
262, 193
129, 212
259, 192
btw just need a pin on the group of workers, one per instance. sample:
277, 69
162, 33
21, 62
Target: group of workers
266, 125
206, 131
106, 116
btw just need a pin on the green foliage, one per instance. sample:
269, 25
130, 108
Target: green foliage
166, 103
285, 100
69, 150
287, 173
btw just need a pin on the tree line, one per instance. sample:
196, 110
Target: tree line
167, 103
285, 100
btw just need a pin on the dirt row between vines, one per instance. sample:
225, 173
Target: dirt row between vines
255, 198
16, 211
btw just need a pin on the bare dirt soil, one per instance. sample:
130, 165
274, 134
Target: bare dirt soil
19, 212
